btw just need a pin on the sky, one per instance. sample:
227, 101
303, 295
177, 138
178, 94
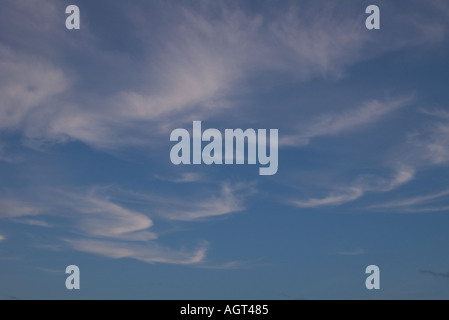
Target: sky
86, 176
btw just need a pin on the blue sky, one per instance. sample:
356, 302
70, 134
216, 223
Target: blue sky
85, 122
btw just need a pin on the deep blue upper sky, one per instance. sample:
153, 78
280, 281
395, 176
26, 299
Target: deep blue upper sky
86, 176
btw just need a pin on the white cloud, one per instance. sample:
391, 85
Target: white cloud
442, 6
149, 252
438, 144
202, 204
100, 217
430, 145
426, 209
97, 216
185, 177
402, 175
196, 67
334, 124
51, 270
318, 44
230, 199
223, 266
33, 222
2, 237
335, 198
11, 208
96, 224
439, 113
26, 83
412, 201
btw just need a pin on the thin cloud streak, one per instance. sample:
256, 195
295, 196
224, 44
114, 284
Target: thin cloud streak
185, 177
96, 215
412, 201
341, 196
149, 252
444, 275
33, 222
334, 199
430, 145
230, 199
334, 124
11, 208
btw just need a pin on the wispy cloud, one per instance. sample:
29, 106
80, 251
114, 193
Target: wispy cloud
418, 200
33, 222
228, 200
204, 59
99, 225
442, 6
11, 258
185, 177
27, 83
355, 252
364, 184
429, 145
444, 275
149, 252
11, 208
2, 237
51, 270
334, 199
97, 216
439, 113
223, 266
123, 232
206, 203
401, 175
426, 209
334, 124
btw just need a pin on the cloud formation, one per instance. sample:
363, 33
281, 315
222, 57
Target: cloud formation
332, 124
229, 198
412, 202
355, 252
97, 224
199, 64
186, 177
334, 199
148, 252
205, 59
364, 184
444, 275
11, 208
102, 218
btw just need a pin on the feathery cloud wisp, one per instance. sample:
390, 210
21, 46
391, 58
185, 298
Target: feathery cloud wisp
412, 201
436, 274
355, 252
334, 124
148, 252
11, 208
334, 199
402, 175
